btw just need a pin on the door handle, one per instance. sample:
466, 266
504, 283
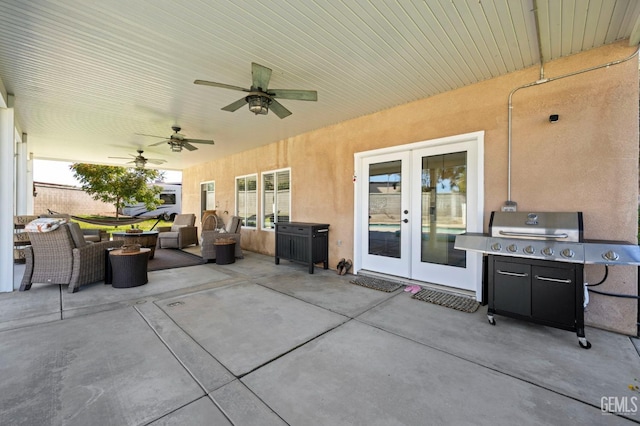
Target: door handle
405, 220
555, 280
512, 274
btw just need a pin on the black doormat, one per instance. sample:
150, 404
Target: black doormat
376, 284
448, 300
173, 258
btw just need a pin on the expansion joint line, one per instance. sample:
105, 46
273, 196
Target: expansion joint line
193, 376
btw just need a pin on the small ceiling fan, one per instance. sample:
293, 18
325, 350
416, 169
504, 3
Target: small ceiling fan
141, 161
260, 98
177, 141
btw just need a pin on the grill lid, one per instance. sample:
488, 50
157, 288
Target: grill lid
546, 236
550, 226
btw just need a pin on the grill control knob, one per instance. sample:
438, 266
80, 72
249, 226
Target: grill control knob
611, 255
529, 250
512, 248
547, 251
568, 253
496, 247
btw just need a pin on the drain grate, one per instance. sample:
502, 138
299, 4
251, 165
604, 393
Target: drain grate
376, 284
448, 300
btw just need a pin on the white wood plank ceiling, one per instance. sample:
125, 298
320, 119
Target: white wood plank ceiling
89, 76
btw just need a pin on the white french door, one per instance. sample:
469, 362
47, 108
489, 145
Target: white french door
412, 202
385, 237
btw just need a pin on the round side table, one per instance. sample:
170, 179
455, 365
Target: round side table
129, 269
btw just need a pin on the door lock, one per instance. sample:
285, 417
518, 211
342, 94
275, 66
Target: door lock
405, 220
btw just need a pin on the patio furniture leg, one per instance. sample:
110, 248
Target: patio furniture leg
28, 272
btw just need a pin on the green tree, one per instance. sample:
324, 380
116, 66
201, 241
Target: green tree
119, 185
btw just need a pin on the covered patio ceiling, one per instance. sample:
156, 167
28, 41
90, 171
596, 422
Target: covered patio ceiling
90, 77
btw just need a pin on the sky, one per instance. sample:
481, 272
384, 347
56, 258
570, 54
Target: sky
46, 171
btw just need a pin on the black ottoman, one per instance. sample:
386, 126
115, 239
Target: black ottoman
225, 252
129, 269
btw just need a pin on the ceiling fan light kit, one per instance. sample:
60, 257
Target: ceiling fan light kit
260, 97
258, 104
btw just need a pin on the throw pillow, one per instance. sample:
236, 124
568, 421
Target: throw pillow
44, 224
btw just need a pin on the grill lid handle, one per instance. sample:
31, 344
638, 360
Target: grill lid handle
525, 234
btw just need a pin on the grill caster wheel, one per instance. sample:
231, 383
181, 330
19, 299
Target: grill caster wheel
584, 343
492, 320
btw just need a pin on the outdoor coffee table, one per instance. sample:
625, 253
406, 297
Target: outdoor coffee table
129, 269
146, 239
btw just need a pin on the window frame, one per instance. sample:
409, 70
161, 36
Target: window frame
203, 201
273, 173
236, 191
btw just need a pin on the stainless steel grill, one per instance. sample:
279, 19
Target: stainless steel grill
547, 236
535, 265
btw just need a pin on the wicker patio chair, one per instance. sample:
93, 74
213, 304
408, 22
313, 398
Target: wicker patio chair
232, 231
183, 232
63, 256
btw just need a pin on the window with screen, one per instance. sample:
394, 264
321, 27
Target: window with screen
247, 200
276, 197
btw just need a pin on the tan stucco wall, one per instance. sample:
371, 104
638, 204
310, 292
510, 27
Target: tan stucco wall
587, 161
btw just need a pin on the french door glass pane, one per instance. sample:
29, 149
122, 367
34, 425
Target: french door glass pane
385, 190
444, 208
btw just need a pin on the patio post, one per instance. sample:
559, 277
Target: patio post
7, 188
24, 178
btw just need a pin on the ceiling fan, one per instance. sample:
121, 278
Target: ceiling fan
141, 161
260, 98
177, 141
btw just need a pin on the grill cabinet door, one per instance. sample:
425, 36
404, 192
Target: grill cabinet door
553, 294
512, 288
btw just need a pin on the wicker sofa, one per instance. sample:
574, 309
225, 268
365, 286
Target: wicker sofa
211, 232
63, 256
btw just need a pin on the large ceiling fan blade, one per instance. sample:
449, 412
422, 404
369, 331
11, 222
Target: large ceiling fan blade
261, 76
188, 146
121, 158
236, 105
278, 109
159, 143
224, 86
156, 161
298, 95
205, 141
151, 136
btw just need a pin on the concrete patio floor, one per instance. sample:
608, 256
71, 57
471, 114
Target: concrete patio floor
254, 343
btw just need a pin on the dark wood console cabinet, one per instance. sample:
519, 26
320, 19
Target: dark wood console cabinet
303, 242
